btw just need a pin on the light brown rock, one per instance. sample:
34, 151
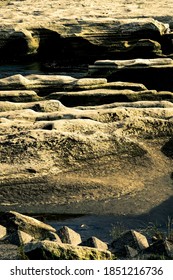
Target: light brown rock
15, 221
69, 236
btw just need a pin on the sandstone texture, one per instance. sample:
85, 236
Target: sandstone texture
89, 141
87, 125
75, 32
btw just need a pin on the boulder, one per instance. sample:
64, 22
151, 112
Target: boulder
79, 153
115, 69
94, 242
89, 91
69, 142
18, 238
131, 238
52, 251
69, 236
46, 83
15, 221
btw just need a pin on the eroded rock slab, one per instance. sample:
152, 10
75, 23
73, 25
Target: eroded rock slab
15, 221
78, 151
77, 40
51, 250
136, 70
35, 82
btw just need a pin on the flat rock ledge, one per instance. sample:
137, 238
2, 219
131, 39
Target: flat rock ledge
73, 41
67, 244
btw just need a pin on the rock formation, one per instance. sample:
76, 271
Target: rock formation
80, 138
129, 245
136, 70
14, 221
84, 40
90, 128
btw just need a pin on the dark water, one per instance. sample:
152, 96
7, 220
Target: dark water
23, 69
158, 219
104, 227
36, 68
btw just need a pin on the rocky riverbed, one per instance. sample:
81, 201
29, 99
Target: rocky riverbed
29, 238
86, 116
